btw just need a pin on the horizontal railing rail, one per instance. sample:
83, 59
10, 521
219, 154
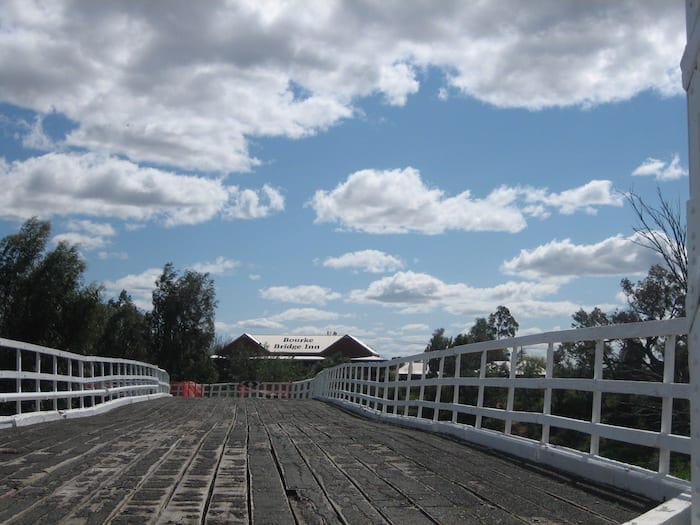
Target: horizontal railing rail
39, 383
516, 414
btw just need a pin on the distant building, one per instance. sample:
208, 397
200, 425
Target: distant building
300, 347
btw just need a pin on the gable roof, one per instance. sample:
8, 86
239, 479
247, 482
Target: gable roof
309, 345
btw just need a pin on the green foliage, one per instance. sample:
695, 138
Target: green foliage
182, 324
659, 295
126, 330
42, 298
500, 324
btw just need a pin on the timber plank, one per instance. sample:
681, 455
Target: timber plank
254, 461
268, 499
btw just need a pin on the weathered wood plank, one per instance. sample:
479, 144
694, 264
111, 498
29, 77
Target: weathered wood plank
268, 499
218, 461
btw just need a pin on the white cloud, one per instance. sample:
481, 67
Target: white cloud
304, 294
277, 322
84, 241
254, 277
586, 198
398, 201
412, 293
218, 266
87, 234
139, 286
148, 87
98, 186
123, 256
254, 204
660, 169
415, 327
616, 255
36, 138
373, 261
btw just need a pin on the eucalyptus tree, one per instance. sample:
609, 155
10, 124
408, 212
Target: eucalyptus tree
182, 324
42, 296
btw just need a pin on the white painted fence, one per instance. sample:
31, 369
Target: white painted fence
41, 384
433, 402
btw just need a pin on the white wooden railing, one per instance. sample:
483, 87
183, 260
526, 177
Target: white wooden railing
40, 384
437, 401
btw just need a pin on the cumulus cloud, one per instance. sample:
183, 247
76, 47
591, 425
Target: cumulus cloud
660, 169
104, 255
36, 138
140, 286
95, 185
616, 255
87, 234
216, 267
398, 201
304, 294
192, 95
584, 198
254, 204
277, 321
415, 327
411, 292
372, 261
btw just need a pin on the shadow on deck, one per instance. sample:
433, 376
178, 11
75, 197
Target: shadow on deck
178, 460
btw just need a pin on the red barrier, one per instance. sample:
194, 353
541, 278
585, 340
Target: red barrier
186, 389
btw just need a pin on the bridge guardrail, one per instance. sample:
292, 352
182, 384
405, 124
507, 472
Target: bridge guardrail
40, 384
431, 395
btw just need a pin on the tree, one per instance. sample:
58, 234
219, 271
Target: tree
438, 341
126, 330
502, 323
658, 296
481, 330
19, 254
182, 324
42, 297
663, 230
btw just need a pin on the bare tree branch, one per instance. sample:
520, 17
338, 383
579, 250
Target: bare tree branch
664, 232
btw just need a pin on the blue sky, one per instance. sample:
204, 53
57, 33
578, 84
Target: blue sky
381, 169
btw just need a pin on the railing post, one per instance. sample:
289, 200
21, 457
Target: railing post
689, 66
18, 381
547, 406
438, 390
667, 402
421, 395
395, 409
480, 396
455, 391
37, 382
81, 374
55, 381
597, 395
385, 388
512, 374
408, 389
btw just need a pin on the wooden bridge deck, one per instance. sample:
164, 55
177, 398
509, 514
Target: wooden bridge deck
179, 460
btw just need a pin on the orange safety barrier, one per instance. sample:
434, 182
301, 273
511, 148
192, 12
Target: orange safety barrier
186, 389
